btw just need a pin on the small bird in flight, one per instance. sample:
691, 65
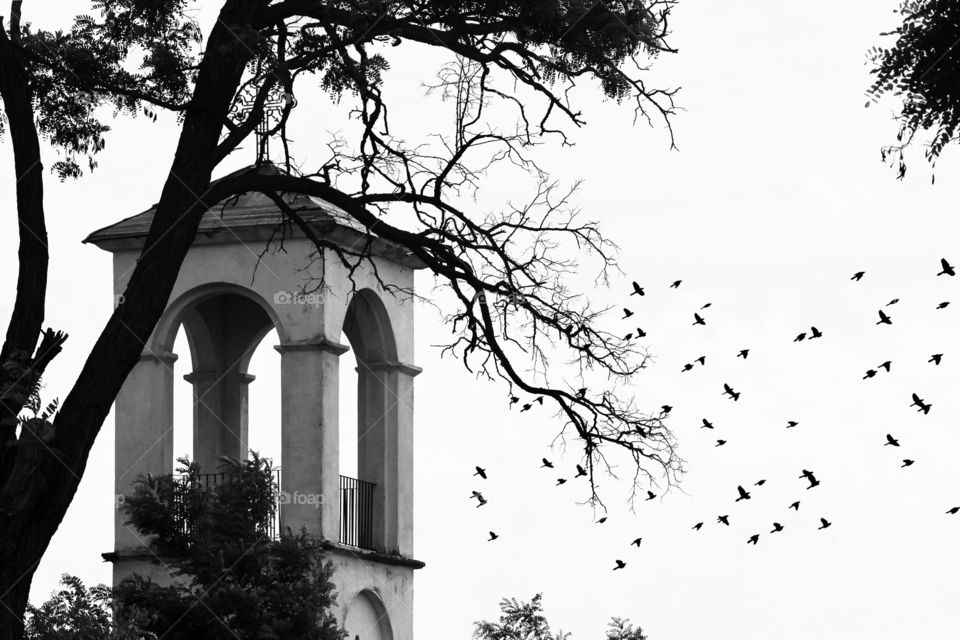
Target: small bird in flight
637, 542
724, 520
526, 407
481, 501
702, 360
743, 353
580, 472
514, 400
706, 306
810, 478
791, 424
481, 472
885, 366
676, 284
869, 374
728, 390
777, 527
641, 333
954, 511
602, 520
946, 269
665, 409
943, 305
476, 494
698, 320
707, 424
697, 526
800, 337
743, 494
760, 483
720, 443
626, 313
891, 441
637, 289
581, 392
651, 495
753, 539
620, 565
920, 404
493, 536
935, 358
560, 481
858, 275
893, 302
815, 333
824, 524
686, 367
906, 463
795, 506
884, 318
547, 464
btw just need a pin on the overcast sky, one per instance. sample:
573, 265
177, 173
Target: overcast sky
775, 198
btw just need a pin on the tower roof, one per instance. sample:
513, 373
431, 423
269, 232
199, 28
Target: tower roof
253, 217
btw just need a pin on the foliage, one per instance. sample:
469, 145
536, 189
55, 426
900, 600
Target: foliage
525, 621
921, 69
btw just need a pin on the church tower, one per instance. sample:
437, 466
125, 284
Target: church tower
228, 296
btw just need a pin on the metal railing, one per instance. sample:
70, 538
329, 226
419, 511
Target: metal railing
211, 480
356, 512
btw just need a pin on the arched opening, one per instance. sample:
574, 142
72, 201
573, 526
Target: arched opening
367, 618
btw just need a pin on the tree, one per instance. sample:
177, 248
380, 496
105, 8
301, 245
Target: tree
78, 613
525, 621
922, 69
507, 270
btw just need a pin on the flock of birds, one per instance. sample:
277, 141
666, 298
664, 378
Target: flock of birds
924, 407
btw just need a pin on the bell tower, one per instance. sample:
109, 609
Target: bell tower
228, 296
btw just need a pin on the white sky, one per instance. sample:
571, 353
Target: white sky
776, 197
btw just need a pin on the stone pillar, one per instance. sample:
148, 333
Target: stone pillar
310, 474
234, 409
207, 423
144, 432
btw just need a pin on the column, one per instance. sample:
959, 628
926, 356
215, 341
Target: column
207, 423
310, 474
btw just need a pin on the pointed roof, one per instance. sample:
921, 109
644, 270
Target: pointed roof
254, 217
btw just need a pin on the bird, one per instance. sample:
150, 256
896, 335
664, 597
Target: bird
493, 536
702, 360
514, 400
697, 526
560, 481
824, 523
676, 284
581, 392
686, 367
884, 318
665, 408
800, 337
539, 400
777, 527
815, 333
602, 520
869, 374
946, 269
547, 464
626, 313
476, 494
943, 305
791, 424
920, 404
753, 539
743, 353
641, 333
810, 478
481, 472
637, 289
893, 302
707, 424
720, 443
935, 358
759, 483
651, 495
891, 441
953, 511
620, 565
728, 390
481, 501
724, 520
743, 494
698, 320
795, 506
906, 463
858, 275
706, 306
885, 366
637, 542
580, 472
526, 407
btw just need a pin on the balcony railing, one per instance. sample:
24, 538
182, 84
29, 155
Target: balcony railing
356, 512
271, 526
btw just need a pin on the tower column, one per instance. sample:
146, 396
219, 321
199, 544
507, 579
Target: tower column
310, 474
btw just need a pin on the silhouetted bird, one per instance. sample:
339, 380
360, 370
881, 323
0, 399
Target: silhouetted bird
620, 565
602, 520
885, 366
514, 400
810, 478
481, 472
701, 360
526, 407
943, 305
580, 472
707, 424
891, 441
493, 537
760, 483
626, 313
743, 353
560, 481
815, 333
728, 390
800, 337
906, 463
743, 494
920, 404
637, 542
665, 408
476, 494
946, 270
791, 424
697, 526
753, 539
720, 443
824, 523
637, 289
698, 320
954, 511
894, 301
651, 495
539, 400
935, 358
858, 275
870, 373
546, 464
795, 506
884, 318
481, 501
706, 306
777, 527
724, 520
686, 367
676, 283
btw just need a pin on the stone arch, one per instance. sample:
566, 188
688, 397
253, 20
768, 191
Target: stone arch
367, 618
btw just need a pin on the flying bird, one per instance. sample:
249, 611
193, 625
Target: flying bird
946, 269
954, 511
760, 483
641, 333
620, 565
676, 284
815, 333
707, 424
626, 313
906, 463
753, 539
728, 390
884, 318
935, 358
637, 542
743, 494
514, 400
893, 302
920, 404
547, 464
665, 408
824, 523
697, 526
891, 441
720, 443
539, 400
869, 374
493, 536
858, 275
706, 306
580, 472
698, 320
581, 392
702, 360
476, 494
795, 506
791, 424
885, 366
777, 527
481, 501
637, 289
651, 495
810, 478
743, 353
724, 520
481, 472
943, 305
800, 337
526, 407
686, 367
602, 520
